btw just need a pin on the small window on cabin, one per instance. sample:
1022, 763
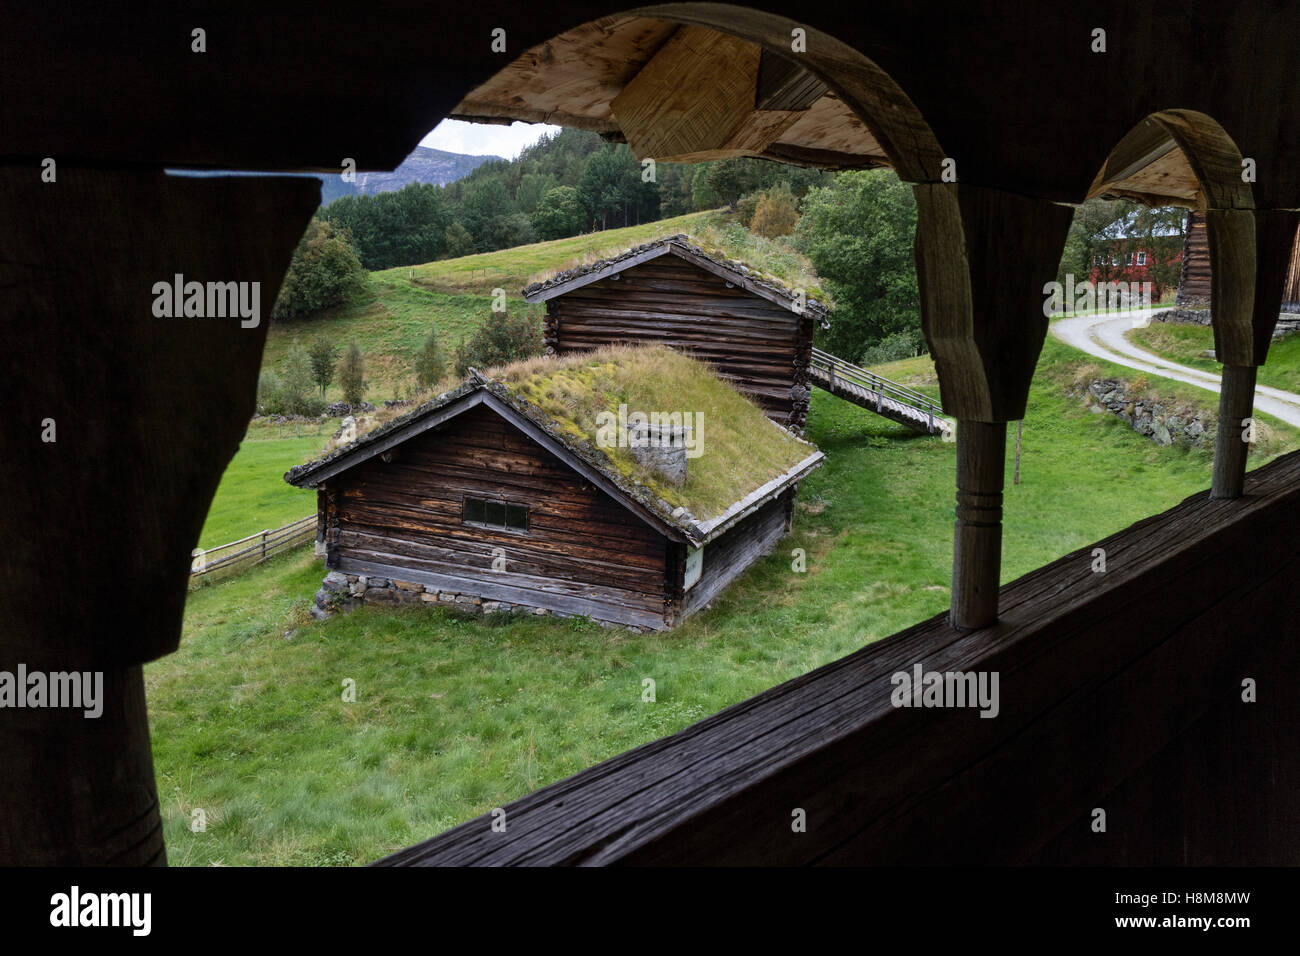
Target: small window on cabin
488, 513
1130, 258
1142, 258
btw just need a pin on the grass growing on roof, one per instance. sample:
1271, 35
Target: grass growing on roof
740, 448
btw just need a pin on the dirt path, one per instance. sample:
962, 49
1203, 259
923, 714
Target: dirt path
1102, 335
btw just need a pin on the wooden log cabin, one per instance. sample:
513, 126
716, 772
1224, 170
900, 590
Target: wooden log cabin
1123, 690
485, 498
754, 331
1193, 301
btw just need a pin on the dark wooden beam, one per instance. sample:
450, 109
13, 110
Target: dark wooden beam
148, 411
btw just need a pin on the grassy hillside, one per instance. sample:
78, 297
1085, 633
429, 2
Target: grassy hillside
1186, 344
391, 321
252, 494
512, 269
454, 717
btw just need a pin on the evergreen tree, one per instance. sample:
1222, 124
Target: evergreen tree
430, 362
352, 374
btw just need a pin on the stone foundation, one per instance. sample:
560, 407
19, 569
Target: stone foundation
1287, 322
1183, 316
340, 592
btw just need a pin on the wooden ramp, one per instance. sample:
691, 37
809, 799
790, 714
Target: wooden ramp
896, 402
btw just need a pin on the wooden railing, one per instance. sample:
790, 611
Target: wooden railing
240, 555
835, 369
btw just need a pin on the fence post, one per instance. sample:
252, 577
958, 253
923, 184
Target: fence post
264, 544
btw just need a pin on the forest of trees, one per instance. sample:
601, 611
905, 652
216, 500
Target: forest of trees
567, 183
857, 229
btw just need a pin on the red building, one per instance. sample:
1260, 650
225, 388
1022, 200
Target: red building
1121, 256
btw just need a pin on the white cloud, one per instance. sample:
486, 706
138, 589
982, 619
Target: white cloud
483, 139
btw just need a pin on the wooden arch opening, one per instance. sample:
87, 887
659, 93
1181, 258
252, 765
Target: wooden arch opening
690, 82
1184, 157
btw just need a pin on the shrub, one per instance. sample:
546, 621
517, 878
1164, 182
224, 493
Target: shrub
430, 362
776, 213
324, 271
745, 207
296, 392
891, 348
500, 340
352, 374
270, 399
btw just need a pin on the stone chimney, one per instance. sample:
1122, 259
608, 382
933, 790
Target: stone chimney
660, 448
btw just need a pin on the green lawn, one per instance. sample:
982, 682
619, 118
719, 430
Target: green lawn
453, 717
1186, 344
253, 495
512, 269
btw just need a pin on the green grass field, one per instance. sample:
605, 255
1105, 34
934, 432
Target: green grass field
512, 269
455, 717
1186, 344
252, 495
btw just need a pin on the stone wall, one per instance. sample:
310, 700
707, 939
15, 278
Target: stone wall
1183, 316
1287, 322
340, 592
1166, 422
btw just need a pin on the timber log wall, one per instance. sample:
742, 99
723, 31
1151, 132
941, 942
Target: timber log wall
583, 553
762, 349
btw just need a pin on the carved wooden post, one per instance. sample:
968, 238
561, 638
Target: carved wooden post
1231, 446
79, 789
82, 789
983, 257
1250, 253
977, 545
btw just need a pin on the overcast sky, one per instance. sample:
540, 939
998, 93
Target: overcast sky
482, 139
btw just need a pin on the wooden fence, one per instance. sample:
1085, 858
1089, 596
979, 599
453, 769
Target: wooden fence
240, 555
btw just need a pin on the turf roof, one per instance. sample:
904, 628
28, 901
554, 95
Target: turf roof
740, 449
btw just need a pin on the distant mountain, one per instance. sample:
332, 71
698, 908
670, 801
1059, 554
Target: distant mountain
425, 165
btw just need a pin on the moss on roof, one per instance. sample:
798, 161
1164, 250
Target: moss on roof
740, 449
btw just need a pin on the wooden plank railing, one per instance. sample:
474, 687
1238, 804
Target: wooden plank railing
240, 555
835, 370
